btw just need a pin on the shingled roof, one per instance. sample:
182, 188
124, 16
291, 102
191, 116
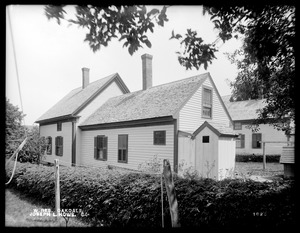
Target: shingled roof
73, 102
158, 101
244, 110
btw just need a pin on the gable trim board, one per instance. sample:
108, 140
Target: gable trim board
115, 78
213, 129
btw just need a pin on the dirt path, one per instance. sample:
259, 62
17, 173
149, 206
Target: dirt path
19, 211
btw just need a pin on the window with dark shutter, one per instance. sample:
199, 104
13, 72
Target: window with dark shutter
159, 137
100, 147
240, 141
49, 145
256, 140
123, 148
207, 103
59, 146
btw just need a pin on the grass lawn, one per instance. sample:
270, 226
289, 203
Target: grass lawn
18, 209
256, 168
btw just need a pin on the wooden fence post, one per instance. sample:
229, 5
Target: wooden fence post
162, 201
171, 194
264, 156
57, 188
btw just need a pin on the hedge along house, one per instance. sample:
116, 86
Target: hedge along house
59, 125
243, 114
129, 129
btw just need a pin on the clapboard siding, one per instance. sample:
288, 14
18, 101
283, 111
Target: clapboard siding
190, 117
268, 133
140, 146
206, 155
288, 155
226, 155
66, 133
112, 90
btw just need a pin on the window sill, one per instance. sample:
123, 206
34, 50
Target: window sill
120, 161
101, 159
206, 117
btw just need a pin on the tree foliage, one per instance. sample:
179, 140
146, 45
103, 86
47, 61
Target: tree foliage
268, 33
127, 23
266, 63
16, 132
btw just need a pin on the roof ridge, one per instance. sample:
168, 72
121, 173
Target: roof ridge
163, 84
248, 100
180, 80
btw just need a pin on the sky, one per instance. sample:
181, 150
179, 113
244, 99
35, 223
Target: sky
49, 57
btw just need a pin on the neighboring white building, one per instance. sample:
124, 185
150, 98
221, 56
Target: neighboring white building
243, 113
103, 124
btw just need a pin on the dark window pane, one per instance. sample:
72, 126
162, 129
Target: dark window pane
124, 155
120, 155
205, 139
159, 137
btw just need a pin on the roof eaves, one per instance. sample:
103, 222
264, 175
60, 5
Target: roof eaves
56, 119
131, 123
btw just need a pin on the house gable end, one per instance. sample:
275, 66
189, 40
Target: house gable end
117, 79
219, 97
205, 124
176, 113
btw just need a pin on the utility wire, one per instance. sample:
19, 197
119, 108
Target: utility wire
16, 64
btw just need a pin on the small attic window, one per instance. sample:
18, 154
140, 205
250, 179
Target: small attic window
58, 126
205, 139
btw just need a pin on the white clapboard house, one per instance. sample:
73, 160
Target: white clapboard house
102, 123
243, 113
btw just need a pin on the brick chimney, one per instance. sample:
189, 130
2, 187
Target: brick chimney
147, 71
85, 77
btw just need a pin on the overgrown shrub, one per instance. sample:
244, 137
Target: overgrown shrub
257, 158
117, 198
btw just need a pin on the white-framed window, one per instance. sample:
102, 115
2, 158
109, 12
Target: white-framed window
123, 148
59, 146
207, 103
100, 147
256, 140
237, 125
240, 141
159, 137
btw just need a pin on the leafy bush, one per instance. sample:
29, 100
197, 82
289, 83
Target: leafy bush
118, 198
257, 158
